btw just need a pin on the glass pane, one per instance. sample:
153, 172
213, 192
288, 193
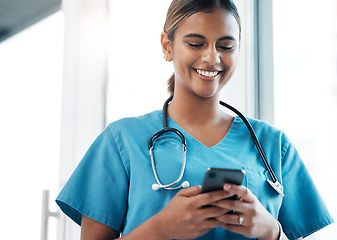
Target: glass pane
30, 103
137, 69
305, 54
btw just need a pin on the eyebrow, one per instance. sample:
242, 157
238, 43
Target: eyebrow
193, 35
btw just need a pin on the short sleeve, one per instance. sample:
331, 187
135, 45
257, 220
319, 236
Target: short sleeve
98, 188
303, 211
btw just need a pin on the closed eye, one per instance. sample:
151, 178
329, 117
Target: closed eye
195, 45
226, 48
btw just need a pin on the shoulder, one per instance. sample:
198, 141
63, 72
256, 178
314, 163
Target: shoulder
151, 118
141, 126
263, 125
265, 129
268, 135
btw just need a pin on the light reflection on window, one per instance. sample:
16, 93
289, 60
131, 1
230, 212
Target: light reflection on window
30, 102
305, 55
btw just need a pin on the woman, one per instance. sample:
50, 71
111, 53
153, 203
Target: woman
110, 192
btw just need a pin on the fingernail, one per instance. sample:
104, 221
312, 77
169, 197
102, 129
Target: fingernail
227, 187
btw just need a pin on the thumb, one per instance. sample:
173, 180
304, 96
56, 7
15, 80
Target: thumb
189, 192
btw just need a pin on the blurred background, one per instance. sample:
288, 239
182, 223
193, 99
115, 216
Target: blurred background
68, 68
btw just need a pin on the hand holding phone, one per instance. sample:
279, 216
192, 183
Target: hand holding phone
215, 178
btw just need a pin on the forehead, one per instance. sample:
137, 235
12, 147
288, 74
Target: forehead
214, 24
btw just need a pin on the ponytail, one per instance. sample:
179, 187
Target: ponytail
170, 85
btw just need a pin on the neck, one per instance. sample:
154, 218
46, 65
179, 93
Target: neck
195, 111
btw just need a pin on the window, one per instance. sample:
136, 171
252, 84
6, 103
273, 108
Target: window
30, 99
305, 56
136, 66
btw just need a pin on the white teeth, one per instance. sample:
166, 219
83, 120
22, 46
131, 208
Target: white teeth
208, 73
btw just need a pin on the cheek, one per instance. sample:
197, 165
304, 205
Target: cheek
231, 59
230, 63
183, 61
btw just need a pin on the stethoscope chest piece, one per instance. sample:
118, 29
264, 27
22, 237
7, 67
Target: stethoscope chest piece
277, 186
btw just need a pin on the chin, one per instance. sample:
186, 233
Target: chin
206, 95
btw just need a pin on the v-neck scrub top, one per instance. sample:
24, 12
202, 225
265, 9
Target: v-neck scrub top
113, 182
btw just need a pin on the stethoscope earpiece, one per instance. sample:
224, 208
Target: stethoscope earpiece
185, 184
155, 187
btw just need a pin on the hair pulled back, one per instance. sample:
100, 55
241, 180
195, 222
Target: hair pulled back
181, 9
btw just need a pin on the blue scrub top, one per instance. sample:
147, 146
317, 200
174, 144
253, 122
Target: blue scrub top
113, 182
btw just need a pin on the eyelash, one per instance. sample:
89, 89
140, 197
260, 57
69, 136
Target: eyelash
227, 48
193, 45
223, 48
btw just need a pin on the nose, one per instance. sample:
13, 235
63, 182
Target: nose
211, 55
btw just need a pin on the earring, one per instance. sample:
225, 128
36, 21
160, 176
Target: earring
167, 58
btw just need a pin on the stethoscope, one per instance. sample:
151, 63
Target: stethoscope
274, 182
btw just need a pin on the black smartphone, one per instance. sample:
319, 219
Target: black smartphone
215, 178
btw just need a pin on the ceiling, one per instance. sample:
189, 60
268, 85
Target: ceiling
17, 15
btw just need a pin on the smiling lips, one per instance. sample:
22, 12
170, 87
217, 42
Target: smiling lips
207, 73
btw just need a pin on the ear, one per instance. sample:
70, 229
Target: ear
166, 46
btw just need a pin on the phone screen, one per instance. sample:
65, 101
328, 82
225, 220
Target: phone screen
215, 178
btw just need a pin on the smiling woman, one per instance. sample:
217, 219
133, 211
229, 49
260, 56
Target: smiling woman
218, 52
111, 193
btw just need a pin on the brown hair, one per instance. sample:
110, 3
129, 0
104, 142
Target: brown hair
181, 9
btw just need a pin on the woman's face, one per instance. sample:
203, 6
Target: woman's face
205, 50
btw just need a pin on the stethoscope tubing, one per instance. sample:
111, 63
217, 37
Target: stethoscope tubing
256, 141
169, 186
274, 183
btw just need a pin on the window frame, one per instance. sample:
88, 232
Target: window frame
264, 60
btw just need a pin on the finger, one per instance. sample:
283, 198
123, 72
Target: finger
207, 225
240, 229
232, 219
243, 193
189, 192
211, 223
211, 197
230, 205
212, 212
